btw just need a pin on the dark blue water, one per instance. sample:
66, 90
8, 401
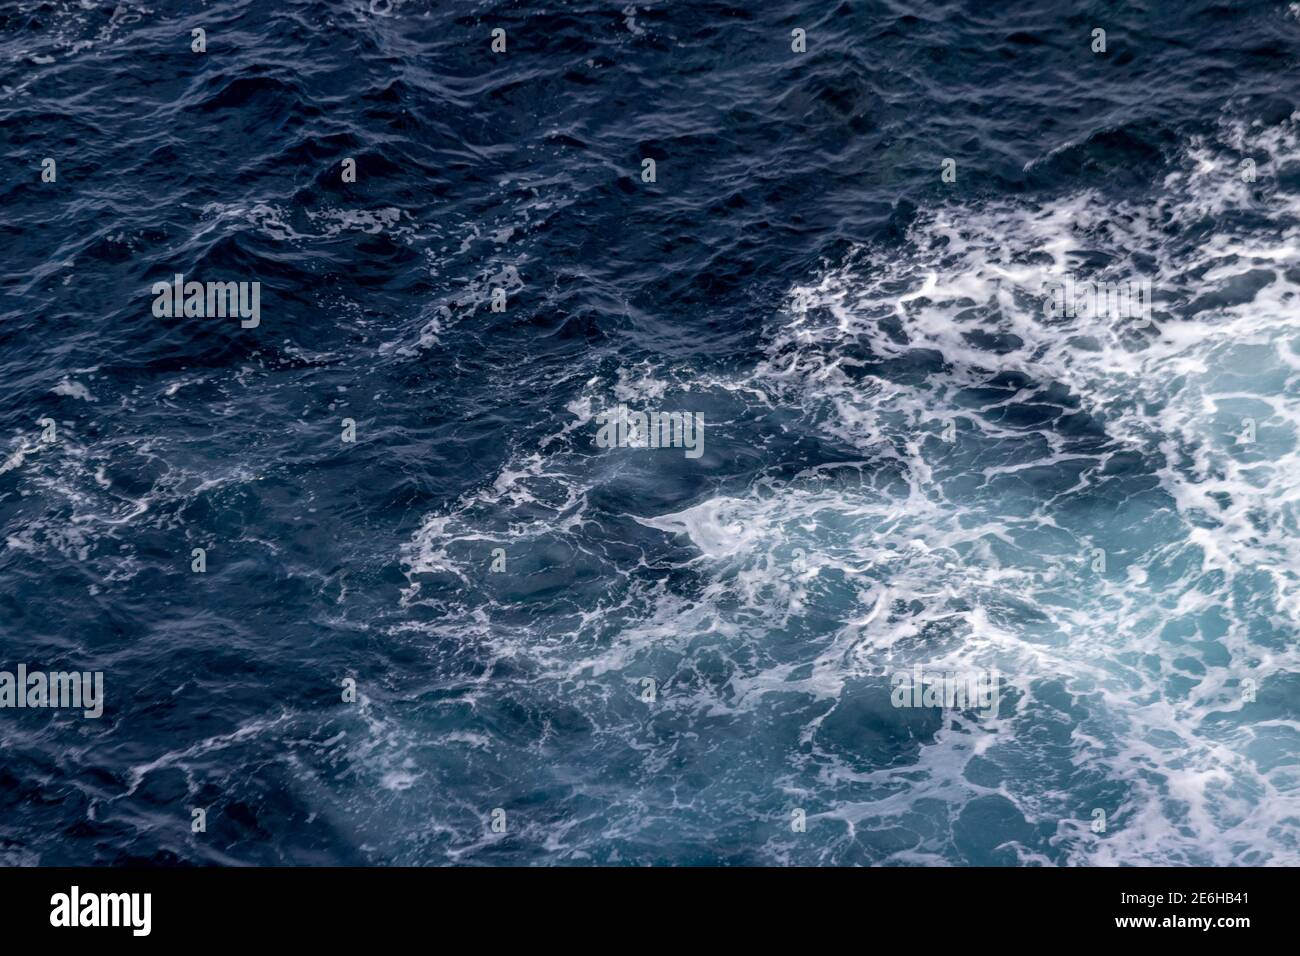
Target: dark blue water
798, 273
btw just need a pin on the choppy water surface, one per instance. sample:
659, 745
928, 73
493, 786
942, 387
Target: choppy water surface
906, 460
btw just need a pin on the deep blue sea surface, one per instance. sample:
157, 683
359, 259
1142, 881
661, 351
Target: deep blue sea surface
906, 460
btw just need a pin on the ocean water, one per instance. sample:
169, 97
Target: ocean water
907, 460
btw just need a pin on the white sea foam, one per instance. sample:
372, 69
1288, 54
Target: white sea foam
1124, 687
